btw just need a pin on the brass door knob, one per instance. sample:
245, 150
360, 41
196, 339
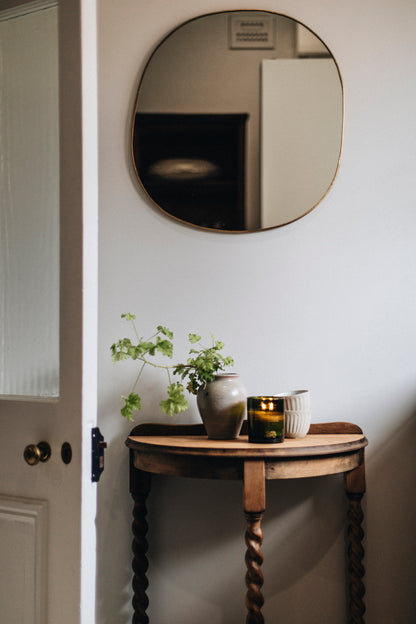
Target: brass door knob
35, 453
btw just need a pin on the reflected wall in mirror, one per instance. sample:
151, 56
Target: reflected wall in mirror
238, 121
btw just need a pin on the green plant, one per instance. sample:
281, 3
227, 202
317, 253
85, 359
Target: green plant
201, 366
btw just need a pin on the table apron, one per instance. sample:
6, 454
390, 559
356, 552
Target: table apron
233, 468
295, 468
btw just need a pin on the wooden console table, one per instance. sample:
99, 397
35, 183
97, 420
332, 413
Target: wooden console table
184, 450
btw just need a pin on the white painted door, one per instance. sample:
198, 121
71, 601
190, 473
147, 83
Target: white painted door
48, 288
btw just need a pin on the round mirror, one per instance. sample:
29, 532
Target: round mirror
238, 121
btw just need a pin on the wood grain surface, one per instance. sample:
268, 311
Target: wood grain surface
318, 444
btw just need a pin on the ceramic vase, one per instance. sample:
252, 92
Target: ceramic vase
222, 404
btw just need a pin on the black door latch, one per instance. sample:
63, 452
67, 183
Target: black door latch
98, 446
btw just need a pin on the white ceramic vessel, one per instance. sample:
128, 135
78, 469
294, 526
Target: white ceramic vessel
297, 423
297, 413
297, 399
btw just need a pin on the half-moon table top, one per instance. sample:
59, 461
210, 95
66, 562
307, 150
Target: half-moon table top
185, 450
311, 445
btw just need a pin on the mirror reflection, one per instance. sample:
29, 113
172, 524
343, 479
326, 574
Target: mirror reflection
238, 120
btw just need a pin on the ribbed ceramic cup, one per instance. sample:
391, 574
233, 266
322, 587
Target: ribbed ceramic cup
296, 399
297, 423
297, 413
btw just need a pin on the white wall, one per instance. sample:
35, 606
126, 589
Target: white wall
342, 323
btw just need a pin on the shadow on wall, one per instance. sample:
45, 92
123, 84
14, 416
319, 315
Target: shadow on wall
197, 547
391, 516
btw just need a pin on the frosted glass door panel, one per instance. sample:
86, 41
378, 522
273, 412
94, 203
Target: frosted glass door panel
29, 208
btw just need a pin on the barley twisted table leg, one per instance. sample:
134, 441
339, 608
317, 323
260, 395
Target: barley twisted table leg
140, 487
254, 576
254, 506
355, 488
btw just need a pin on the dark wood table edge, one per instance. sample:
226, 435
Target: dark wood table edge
154, 429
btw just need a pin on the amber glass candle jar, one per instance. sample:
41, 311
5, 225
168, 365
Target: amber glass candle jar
266, 419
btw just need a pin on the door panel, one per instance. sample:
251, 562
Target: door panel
69, 494
23, 526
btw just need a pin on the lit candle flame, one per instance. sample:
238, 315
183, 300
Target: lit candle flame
267, 406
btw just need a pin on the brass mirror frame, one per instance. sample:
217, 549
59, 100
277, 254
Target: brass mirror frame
226, 231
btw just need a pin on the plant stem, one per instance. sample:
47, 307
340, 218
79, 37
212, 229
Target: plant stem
138, 376
166, 367
135, 330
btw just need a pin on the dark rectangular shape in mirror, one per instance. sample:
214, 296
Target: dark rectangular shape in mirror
193, 166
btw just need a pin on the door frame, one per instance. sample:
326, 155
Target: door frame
79, 265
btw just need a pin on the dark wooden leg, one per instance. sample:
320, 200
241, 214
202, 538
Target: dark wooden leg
139, 487
355, 488
254, 506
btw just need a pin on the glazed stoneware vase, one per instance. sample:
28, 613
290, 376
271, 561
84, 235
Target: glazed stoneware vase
222, 404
